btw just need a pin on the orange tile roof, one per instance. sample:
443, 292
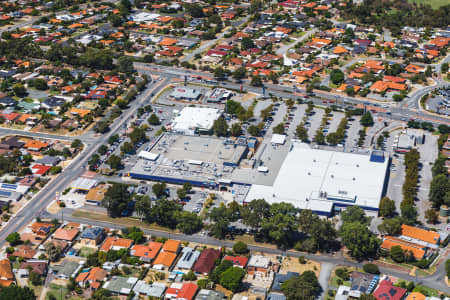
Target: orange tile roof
79, 111
344, 86
171, 246
165, 259
165, 19
113, 241
374, 64
321, 41
421, 234
356, 75
390, 242
6, 270
168, 42
35, 144
117, 35
414, 69
339, 50
66, 234
75, 25
416, 296
6, 283
322, 7
440, 41
147, 251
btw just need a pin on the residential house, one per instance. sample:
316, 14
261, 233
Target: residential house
153, 291
280, 279
93, 277
146, 253
181, 291
37, 266
65, 234
115, 243
363, 283
67, 269
204, 294
92, 236
119, 285
6, 273
25, 251
188, 258
238, 261
387, 291
206, 261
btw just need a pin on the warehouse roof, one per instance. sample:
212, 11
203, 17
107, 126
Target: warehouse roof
191, 118
316, 179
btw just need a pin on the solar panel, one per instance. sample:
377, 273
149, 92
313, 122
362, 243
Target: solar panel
9, 186
5, 193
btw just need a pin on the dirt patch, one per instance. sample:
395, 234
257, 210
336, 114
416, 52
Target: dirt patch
54, 208
292, 264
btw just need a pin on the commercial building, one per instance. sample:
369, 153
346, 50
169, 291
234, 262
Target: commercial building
218, 95
193, 120
184, 93
201, 160
326, 181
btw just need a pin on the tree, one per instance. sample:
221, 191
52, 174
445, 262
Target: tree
134, 233
159, 189
301, 132
35, 278
278, 129
333, 138
319, 137
391, 226
439, 187
116, 199
17, 293
397, 254
256, 80
40, 84
254, 130
387, 207
181, 193
224, 265
154, 120
126, 65
219, 73
188, 222
239, 74
187, 186
247, 43
444, 68
431, 215
366, 119
220, 127
127, 147
13, 239
115, 162
354, 214
236, 129
77, 144
231, 279
336, 76
53, 252
303, 287
190, 276
240, 248
101, 127
19, 90
371, 269
359, 240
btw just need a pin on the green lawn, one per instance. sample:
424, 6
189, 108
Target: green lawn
434, 3
86, 251
57, 291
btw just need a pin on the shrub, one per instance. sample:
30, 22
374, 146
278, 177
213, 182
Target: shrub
371, 268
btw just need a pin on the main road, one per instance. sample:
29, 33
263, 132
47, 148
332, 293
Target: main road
91, 141
395, 112
434, 281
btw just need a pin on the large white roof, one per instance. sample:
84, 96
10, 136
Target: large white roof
191, 118
315, 179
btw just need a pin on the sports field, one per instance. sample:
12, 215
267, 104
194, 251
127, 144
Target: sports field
433, 3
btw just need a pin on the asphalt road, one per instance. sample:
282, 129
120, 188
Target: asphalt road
45, 196
434, 281
399, 112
